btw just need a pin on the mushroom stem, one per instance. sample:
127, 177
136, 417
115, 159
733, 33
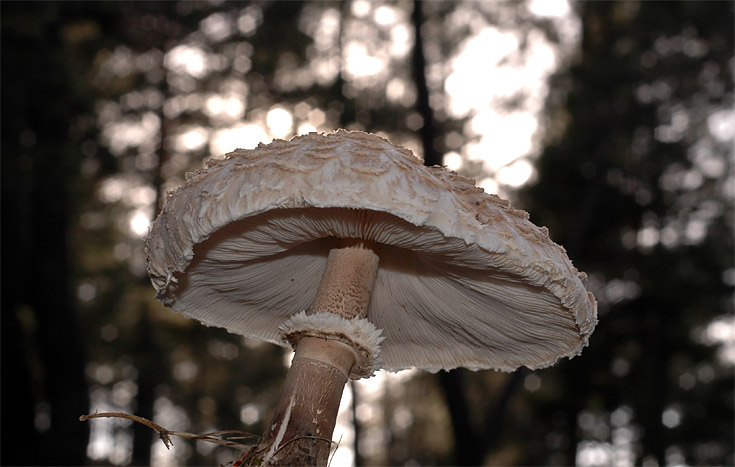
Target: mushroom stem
348, 280
301, 429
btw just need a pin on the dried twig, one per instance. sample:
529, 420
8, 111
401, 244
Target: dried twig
165, 434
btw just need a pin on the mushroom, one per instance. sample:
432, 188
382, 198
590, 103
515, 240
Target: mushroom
351, 251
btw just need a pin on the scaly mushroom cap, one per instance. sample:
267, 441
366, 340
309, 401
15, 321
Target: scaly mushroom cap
463, 280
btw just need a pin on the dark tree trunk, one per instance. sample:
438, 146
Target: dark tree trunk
60, 339
43, 360
495, 417
423, 104
150, 367
357, 427
467, 449
470, 443
18, 402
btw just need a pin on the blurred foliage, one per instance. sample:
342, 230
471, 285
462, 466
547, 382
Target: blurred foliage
100, 118
646, 211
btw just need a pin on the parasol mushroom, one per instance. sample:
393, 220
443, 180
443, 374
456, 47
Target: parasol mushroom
348, 249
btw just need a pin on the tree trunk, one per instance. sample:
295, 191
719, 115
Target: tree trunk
39, 165
423, 103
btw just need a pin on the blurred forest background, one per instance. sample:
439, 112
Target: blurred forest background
612, 123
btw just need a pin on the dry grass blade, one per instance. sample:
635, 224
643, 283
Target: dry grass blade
331, 458
165, 435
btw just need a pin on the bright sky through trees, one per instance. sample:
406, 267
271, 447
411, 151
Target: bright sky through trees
486, 69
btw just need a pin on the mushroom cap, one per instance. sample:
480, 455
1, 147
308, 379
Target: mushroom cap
463, 280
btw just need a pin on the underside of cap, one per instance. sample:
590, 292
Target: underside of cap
463, 281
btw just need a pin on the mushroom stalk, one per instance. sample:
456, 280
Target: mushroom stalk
301, 429
348, 280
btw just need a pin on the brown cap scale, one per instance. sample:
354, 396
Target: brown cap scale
347, 238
